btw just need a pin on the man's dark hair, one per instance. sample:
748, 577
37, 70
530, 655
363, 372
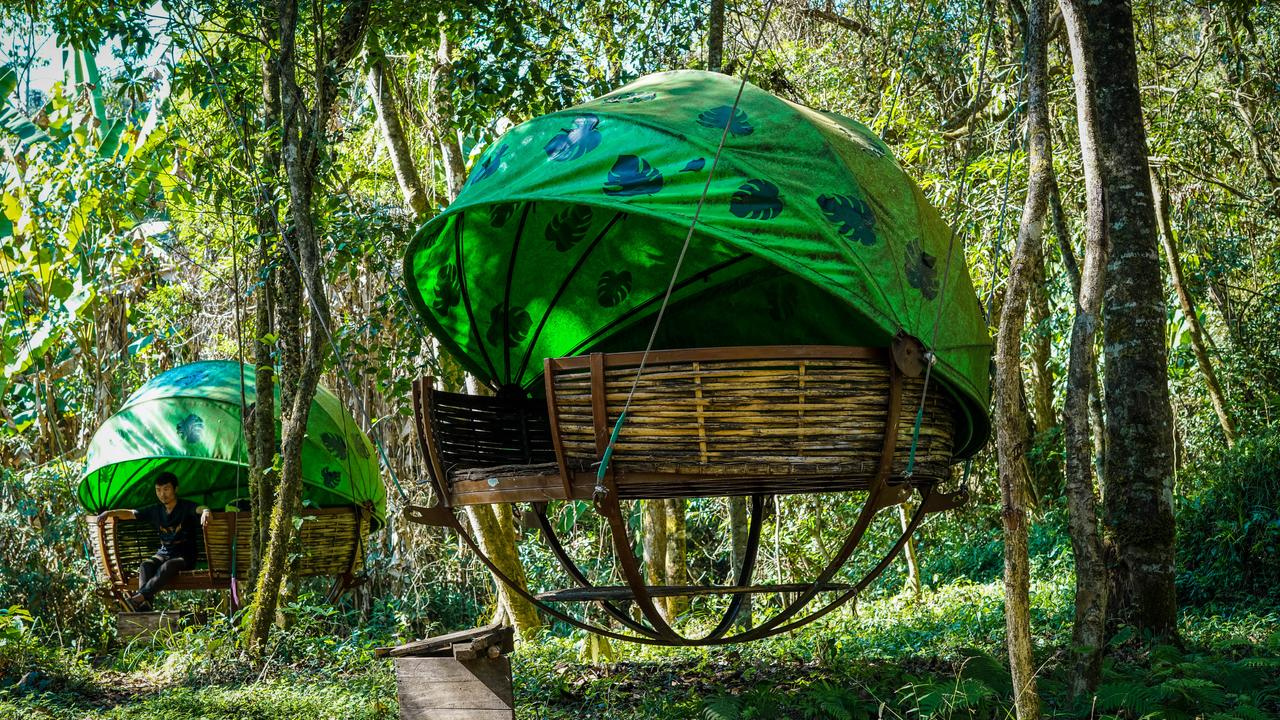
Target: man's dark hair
167, 478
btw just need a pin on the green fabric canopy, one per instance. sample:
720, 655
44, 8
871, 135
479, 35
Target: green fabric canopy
187, 421
565, 237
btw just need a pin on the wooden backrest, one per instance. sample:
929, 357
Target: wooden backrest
462, 432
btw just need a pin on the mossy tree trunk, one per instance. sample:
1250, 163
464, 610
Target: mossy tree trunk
302, 306
1011, 422
739, 521
411, 187
494, 527
1041, 371
1088, 634
260, 425
1138, 495
677, 565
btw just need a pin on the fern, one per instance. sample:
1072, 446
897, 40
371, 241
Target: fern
722, 707
942, 700
1242, 712
762, 703
1260, 663
824, 700
1191, 693
1126, 695
986, 669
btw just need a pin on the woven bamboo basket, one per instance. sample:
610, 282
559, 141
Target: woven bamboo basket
331, 539
739, 421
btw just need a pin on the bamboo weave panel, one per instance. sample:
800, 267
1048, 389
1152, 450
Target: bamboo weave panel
779, 421
331, 542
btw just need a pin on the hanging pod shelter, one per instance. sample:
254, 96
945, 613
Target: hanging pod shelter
188, 421
821, 332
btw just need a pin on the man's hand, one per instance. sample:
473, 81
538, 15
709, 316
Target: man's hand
204, 517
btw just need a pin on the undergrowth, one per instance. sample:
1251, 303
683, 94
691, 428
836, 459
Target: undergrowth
939, 657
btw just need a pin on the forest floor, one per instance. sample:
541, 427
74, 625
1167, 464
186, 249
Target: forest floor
938, 656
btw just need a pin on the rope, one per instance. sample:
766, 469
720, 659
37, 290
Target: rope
607, 456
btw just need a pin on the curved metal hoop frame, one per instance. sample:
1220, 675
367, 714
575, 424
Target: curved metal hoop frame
655, 630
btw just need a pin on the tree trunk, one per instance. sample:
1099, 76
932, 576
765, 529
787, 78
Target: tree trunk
677, 564
494, 527
301, 285
1198, 345
905, 510
1138, 496
739, 521
497, 538
715, 36
260, 431
440, 113
1041, 380
653, 544
1096, 418
1089, 627
1012, 440
415, 194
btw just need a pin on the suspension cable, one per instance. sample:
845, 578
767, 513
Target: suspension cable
600, 489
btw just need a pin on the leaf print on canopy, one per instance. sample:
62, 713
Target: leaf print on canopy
613, 287
488, 166
191, 429
716, 118
632, 175
335, 445
569, 227
631, 97
517, 323
572, 143
331, 478
192, 378
851, 216
448, 289
694, 165
757, 199
500, 213
921, 273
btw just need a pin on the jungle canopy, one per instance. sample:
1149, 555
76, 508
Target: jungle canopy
565, 237
188, 421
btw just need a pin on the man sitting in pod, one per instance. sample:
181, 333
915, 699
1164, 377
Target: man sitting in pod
175, 521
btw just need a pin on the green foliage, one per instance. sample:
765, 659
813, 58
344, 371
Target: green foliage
16, 640
44, 565
1229, 524
1178, 685
821, 701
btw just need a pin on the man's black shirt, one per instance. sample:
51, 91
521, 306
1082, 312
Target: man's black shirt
179, 530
